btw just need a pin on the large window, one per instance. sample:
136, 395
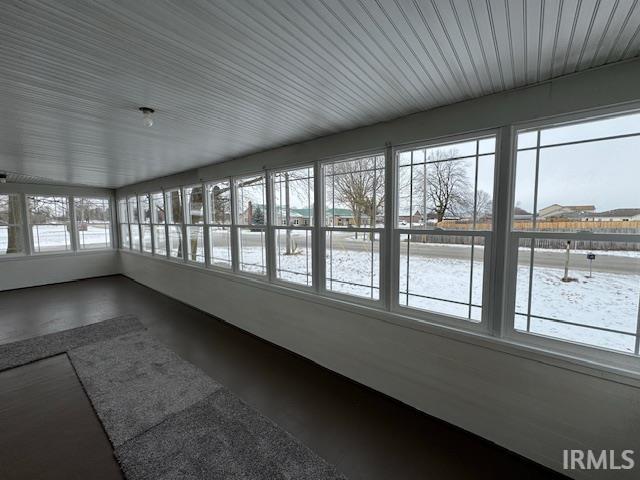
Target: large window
11, 237
174, 215
251, 218
443, 222
576, 233
50, 224
194, 204
145, 223
134, 222
158, 224
292, 225
93, 222
353, 220
219, 223
123, 222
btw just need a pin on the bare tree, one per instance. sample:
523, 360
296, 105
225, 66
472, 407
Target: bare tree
359, 185
444, 185
484, 204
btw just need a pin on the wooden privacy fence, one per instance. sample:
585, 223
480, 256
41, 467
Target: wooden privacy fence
615, 227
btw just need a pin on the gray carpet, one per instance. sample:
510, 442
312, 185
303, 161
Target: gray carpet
165, 418
37, 348
135, 382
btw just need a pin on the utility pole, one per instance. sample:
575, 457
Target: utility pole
566, 263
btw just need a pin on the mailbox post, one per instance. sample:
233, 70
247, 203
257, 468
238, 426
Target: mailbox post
591, 257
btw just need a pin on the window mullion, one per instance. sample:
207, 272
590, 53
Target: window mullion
318, 240
235, 246
388, 278
497, 313
26, 226
73, 230
269, 232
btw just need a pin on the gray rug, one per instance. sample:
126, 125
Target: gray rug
165, 418
37, 348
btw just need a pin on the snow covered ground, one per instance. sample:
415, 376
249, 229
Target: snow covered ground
48, 238
441, 284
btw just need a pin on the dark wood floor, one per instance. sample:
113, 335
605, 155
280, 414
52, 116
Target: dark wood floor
365, 434
48, 429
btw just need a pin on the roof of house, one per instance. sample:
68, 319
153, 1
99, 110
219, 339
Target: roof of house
618, 212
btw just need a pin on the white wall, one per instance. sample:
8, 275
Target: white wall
42, 269
529, 403
31, 271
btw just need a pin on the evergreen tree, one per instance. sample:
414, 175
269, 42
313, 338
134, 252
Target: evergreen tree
258, 216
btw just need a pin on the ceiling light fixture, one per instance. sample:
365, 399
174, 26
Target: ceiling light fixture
147, 116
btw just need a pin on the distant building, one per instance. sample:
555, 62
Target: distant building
616, 215
564, 211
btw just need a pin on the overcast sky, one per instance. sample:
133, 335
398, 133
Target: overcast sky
604, 173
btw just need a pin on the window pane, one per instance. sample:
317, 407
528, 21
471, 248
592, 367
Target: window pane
146, 238
293, 193
134, 229
123, 217
251, 200
157, 208
133, 210
194, 202
252, 253
125, 241
600, 128
354, 192
49, 218
220, 239
593, 302
293, 256
353, 263
174, 206
10, 225
160, 240
195, 247
442, 274
447, 188
93, 222
175, 241
219, 203
588, 186
145, 208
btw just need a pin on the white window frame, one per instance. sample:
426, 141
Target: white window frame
321, 232
208, 225
550, 345
142, 223
152, 196
487, 236
72, 226
183, 234
110, 223
236, 227
134, 226
123, 221
203, 225
274, 226
24, 227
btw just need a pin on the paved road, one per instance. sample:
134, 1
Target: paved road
543, 258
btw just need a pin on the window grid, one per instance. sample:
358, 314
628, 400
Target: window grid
251, 217
541, 233
440, 176
93, 222
389, 234
50, 222
158, 224
219, 220
291, 229
367, 175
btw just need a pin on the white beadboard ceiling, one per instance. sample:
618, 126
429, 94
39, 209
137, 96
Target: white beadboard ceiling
238, 76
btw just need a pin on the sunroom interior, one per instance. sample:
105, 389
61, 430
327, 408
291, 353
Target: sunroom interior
364, 240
